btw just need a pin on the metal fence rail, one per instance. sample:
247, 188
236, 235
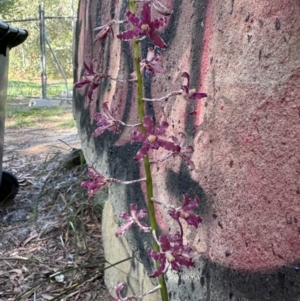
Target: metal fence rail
43, 41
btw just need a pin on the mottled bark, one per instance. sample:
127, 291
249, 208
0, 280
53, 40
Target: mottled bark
246, 134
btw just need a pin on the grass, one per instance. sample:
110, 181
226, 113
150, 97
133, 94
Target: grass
19, 114
67, 124
17, 89
23, 116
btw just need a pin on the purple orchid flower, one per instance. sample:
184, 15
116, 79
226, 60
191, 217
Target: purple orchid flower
105, 30
173, 255
152, 64
181, 151
151, 139
190, 93
91, 77
98, 182
144, 27
106, 121
184, 211
184, 150
133, 218
118, 288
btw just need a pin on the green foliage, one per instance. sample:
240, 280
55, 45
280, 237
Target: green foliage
7, 8
68, 124
24, 116
19, 89
25, 62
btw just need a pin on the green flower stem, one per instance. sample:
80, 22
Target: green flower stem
149, 182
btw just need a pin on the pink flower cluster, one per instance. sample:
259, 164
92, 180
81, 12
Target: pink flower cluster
173, 253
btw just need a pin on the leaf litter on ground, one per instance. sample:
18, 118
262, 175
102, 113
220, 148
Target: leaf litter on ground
51, 247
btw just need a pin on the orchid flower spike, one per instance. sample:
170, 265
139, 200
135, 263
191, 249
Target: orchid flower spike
151, 64
133, 218
144, 27
152, 140
190, 93
98, 182
184, 212
173, 255
91, 77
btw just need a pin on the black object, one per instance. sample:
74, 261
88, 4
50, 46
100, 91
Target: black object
9, 187
9, 37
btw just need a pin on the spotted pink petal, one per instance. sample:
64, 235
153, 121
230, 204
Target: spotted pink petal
168, 145
100, 130
187, 149
158, 23
101, 120
175, 266
146, 13
160, 270
91, 89
107, 111
193, 220
188, 205
121, 230
196, 95
148, 124
118, 288
175, 140
156, 255
103, 33
150, 54
175, 214
81, 84
89, 68
92, 173
139, 214
150, 70
142, 152
157, 40
156, 144
164, 243
138, 136
181, 260
134, 19
129, 34
187, 160
161, 129
187, 76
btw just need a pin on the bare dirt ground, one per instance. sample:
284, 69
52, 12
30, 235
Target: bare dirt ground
50, 245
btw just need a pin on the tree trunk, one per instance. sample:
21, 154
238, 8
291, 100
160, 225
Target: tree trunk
246, 135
